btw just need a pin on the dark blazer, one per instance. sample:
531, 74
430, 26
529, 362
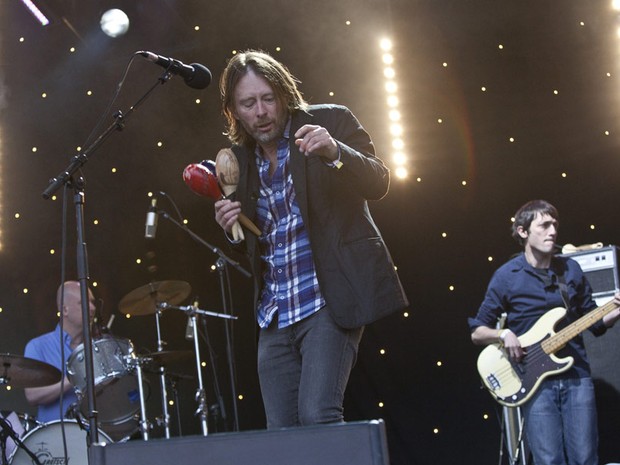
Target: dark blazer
354, 268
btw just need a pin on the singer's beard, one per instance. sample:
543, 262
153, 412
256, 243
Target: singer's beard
273, 136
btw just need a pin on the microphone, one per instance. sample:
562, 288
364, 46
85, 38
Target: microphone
151, 220
189, 327
195, 75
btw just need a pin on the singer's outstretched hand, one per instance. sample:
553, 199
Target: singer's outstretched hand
316, 140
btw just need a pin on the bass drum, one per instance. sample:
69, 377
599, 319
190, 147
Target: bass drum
46, 443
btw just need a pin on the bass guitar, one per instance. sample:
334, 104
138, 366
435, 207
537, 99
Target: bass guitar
512, 383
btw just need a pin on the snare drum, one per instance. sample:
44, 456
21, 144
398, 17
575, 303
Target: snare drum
116, 384
45, 441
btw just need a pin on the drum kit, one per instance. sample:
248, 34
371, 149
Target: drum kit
119, 385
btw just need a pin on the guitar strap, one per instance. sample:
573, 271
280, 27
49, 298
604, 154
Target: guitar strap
563, 289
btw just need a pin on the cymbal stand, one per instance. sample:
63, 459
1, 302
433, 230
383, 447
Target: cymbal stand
136, 363
162, 377
202, 409
173, 380
191, 312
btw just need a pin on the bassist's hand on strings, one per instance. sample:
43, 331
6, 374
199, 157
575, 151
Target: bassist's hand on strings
512, 345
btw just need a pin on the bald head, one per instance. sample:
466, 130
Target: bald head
71, 293
71, 308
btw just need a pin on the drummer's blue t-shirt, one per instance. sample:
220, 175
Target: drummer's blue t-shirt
46, 348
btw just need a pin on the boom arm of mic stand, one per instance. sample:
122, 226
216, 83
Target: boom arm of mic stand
215, 250
64, 178
80, 160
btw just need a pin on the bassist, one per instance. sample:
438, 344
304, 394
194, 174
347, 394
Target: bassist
560, 416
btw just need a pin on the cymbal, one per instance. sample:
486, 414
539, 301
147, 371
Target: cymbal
144, 300
19, 371
167, 357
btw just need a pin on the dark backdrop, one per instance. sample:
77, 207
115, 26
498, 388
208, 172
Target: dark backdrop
471, 75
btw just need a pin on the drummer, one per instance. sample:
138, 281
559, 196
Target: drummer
46, 348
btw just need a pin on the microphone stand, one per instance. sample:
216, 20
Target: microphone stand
222, 261
6, 432
65, 178
221, 269
214, 249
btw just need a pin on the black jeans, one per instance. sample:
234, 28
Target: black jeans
304, 369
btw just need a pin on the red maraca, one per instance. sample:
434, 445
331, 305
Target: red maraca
202, 180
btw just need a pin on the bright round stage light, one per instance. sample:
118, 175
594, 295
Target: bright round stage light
114, 23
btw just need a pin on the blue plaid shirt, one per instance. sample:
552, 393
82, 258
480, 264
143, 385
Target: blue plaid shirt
291, 288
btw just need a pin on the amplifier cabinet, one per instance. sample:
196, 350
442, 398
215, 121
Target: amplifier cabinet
601, 269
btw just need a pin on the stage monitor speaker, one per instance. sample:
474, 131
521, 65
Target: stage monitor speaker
356, 443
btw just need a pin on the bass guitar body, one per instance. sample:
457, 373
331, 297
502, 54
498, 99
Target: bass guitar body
511, 383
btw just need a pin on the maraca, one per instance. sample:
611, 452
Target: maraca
201, 178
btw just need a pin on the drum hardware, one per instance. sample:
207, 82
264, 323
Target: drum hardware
192, 311
160, 360
137, 364
222, 262
162, 378
168, 357
19, 371
145, 300
172, 381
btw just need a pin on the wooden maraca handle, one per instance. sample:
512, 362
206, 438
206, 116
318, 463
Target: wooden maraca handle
237, 232
227, 169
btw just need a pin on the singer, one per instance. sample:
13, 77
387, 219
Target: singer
46, 348
322, 270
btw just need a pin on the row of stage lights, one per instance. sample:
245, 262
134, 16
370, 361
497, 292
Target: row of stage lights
399, 159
